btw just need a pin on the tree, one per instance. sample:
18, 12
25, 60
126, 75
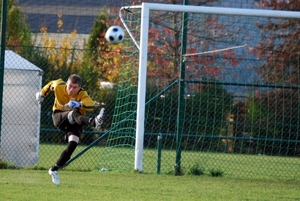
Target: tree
165, 47
280, 108
281, 47
18, 35
104, 58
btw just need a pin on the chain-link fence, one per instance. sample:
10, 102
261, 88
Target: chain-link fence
28, 136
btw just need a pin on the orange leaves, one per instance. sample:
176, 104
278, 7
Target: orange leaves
60, 23
168, 31
211, 20
59, 49
112, 61
234, 62
191, 51
229, 55
205, 70
212, 71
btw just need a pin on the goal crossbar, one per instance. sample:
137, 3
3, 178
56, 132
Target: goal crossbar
215, 10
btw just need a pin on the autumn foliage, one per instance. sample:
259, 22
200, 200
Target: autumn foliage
277, 110
281, 49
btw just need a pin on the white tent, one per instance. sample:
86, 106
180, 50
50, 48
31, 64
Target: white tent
20, 127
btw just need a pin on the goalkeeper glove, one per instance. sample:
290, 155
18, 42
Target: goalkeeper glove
73, 104
39, 97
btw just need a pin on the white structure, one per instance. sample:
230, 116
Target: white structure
20, 127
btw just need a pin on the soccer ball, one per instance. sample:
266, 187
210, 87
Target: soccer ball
114, 34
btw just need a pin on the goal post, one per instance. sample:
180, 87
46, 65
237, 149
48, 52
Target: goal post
141, 100
142, 44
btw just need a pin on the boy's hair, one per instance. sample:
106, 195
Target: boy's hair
75, 79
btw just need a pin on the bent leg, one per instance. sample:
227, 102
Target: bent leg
75, 116
79, 118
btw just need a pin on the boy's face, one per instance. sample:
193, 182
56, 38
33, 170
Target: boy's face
72, 88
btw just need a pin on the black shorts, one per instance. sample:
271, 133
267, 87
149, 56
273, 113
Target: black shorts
60, 121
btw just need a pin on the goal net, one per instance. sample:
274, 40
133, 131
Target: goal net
206, 87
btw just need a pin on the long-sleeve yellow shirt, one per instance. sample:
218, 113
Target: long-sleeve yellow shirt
62, 97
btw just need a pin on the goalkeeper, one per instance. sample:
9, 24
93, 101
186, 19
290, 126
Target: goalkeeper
70, 105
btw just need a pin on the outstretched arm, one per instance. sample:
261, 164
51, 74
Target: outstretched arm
47, 89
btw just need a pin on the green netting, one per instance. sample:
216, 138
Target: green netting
241, 96
119, 151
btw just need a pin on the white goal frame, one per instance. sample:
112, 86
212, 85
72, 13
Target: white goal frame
143, 52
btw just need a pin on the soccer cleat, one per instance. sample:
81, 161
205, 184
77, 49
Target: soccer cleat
99, 118
54, 176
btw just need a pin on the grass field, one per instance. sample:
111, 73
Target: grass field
246, 177
232, 165
28, 185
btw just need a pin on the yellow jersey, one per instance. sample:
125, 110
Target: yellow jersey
62, 97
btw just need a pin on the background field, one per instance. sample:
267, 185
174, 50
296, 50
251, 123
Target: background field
36, 185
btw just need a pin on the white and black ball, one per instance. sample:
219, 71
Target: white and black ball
115, 34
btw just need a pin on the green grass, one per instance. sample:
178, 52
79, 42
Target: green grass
80, 186
220, 176
229, 165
